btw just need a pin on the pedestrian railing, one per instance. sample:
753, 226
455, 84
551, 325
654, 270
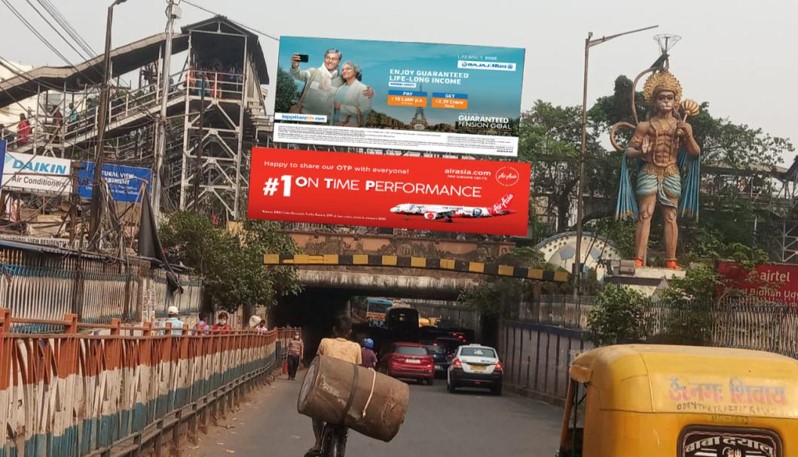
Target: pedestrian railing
130, 390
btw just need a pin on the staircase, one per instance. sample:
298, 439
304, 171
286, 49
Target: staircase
130, 114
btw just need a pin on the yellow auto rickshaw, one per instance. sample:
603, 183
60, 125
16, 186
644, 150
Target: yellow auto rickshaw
658, 400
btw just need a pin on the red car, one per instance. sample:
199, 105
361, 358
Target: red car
408, 360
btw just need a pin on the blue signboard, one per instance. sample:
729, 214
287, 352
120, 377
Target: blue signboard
125, 183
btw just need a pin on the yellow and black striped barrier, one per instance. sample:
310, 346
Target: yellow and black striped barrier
417, 262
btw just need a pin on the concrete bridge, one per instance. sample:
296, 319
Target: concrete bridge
318, 242
405, 276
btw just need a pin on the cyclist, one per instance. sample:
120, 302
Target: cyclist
368, 355
338, 347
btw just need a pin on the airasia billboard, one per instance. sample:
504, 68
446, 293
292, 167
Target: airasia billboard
773, 281
452, 195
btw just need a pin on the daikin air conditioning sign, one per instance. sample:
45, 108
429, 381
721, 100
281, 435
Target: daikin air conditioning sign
27, 172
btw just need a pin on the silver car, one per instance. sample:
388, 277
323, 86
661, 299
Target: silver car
475, 365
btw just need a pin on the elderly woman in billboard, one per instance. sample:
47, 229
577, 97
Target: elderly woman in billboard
352, 106
321, 84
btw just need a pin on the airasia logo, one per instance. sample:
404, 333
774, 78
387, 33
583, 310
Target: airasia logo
502, 204
507, 176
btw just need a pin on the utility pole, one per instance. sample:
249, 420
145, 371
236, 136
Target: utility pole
589, 43
75, 205
160, 150
200, 146
102, 113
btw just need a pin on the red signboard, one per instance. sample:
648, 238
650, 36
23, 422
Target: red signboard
773, 282
452, 195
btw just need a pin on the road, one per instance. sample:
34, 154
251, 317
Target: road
440, 424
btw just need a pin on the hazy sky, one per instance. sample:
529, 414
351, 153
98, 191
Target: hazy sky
737, 55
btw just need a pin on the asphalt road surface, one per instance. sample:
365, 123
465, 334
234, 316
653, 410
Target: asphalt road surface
439, 424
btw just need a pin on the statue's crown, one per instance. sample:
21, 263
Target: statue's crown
662, 80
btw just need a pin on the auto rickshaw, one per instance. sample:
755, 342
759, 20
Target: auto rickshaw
659, 400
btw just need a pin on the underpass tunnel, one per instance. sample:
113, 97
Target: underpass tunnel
316, 307
314, 311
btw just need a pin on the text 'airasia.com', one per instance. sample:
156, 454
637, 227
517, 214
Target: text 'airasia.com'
474, 196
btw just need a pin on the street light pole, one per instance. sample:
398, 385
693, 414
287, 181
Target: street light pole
160, 150
589, 43
102, 113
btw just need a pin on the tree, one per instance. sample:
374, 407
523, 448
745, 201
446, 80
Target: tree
690, 302
619, 315
231, 263
502, 296
550, 138
286, 94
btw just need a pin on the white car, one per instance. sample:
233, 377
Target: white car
475, 365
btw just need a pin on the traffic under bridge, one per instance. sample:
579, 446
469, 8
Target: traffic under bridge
330, 281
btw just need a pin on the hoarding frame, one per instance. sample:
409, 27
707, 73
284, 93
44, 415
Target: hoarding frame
350, 189
427, 97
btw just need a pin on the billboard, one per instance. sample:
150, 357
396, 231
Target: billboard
124, 183
450, 195
773, 281
31, 173
393, 95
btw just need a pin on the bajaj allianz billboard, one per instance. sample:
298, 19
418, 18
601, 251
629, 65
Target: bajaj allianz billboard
27, 172
476, 196
406, 96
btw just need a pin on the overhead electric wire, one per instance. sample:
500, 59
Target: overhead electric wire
67, 26
36, 32
47, 21
234, 22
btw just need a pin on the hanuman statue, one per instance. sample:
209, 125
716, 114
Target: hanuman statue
666, 157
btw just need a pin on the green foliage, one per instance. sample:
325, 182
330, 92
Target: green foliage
619, 315
618, 107
688, 304
501, 296
621, 233
689, 301
287, 93
231, 263
524, 256
550, 138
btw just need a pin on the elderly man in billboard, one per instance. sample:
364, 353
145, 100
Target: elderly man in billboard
321, 84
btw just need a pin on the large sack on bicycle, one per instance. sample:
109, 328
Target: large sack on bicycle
339, 392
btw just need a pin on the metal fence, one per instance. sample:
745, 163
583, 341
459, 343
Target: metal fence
188, 301
72, 394
746, 323
46, 283
536, 357
558, 310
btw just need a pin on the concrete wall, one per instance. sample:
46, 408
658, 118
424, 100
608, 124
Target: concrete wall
387, 283
319, 243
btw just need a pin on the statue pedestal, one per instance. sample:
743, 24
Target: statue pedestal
647, 280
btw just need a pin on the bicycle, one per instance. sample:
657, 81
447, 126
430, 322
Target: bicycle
333, 440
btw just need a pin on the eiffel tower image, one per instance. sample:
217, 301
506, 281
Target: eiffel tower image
419, 121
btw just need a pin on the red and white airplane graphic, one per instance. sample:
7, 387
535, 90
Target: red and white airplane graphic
447, 212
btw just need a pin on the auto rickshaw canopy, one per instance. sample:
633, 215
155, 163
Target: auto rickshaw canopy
689, 379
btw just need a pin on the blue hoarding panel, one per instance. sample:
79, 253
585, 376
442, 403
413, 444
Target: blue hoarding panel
125, 183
